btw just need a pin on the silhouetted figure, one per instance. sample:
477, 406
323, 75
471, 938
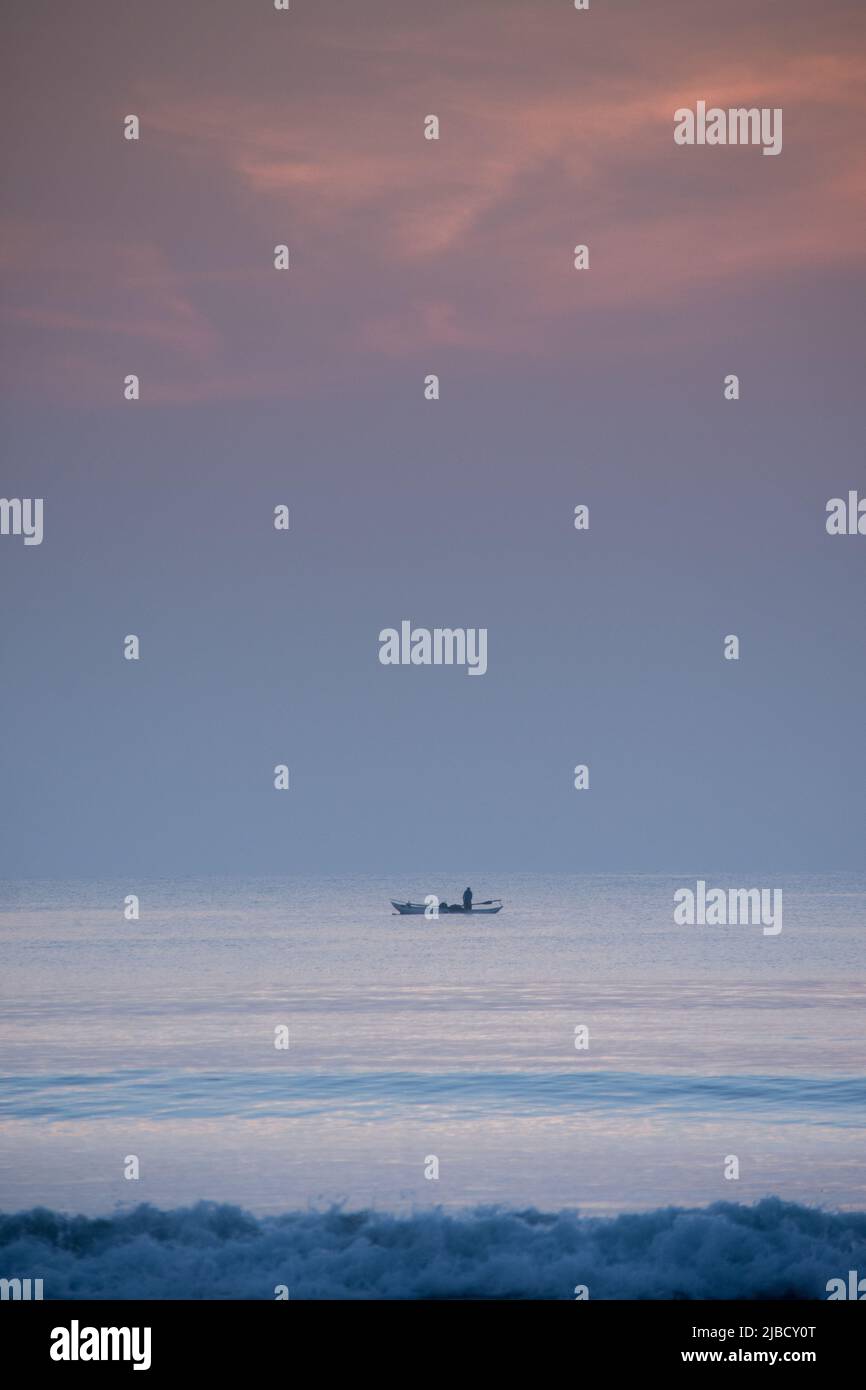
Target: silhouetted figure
467, 900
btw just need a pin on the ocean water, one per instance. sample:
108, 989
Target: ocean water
419, 1046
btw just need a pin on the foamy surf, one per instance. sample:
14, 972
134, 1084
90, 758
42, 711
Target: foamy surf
772, 1250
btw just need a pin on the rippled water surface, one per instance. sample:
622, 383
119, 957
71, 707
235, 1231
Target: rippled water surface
410, 1039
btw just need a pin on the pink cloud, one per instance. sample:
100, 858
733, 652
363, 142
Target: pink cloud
401, 245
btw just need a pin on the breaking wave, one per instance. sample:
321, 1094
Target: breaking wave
772, 1250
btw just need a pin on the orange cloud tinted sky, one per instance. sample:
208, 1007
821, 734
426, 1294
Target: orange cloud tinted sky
556, 128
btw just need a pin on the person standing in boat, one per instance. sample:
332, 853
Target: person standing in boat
467, 900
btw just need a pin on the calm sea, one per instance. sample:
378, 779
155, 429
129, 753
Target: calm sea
420, 1047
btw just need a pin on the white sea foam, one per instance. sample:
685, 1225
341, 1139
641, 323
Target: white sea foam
773, 1249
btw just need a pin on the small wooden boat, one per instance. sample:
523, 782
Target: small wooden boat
485, 909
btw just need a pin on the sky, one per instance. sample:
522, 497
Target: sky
305, 387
